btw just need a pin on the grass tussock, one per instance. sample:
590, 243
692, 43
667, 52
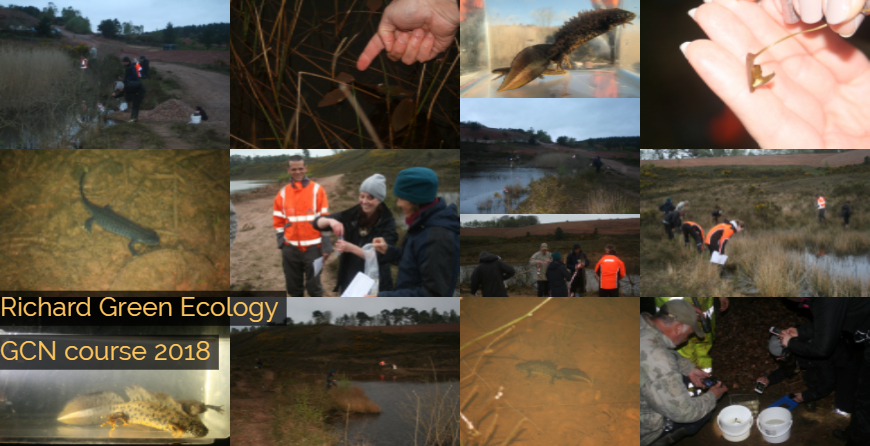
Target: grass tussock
581, 194
353, 399
603, 201
300, 414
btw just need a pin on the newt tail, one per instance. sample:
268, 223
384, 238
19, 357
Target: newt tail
535, 60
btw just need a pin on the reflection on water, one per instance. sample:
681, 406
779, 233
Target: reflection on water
394, 426
526, 276
245, 185
481, 184
594, 335
851, 266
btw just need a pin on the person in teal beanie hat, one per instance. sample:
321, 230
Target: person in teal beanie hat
428, 258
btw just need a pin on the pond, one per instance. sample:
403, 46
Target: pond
480, 184
630, 285
395, 425
851, 266
246, 185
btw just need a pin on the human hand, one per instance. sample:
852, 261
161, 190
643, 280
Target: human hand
696, 375
719, 389
337, 227
843, 16
413, 30
791, 331
723, 303
810, 103
764, 380
380, 245
798, 398
784, 338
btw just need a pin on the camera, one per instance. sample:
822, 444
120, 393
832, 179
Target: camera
760, 386
709, 381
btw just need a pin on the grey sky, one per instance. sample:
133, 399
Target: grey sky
578, 118
549, 218
153, 14
301, 309
272, 152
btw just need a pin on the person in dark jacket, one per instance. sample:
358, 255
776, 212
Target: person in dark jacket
490, 275
133, 91
833, 316
144, 63
576, 263
358, 226
672, 221
597, 163
845, 214
694, 230
558, 276
429, 256
716, 214
667, 207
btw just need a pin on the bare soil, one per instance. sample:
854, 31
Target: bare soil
810, 159
616, 226
255, 258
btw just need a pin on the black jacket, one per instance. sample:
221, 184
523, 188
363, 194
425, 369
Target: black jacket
832, 317
846, 211
597, 162
574, 259
490, 275
144, 63
557, 275
673, 218
349, 265
667, 207
130, 73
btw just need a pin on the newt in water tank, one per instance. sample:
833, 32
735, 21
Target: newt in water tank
156, 410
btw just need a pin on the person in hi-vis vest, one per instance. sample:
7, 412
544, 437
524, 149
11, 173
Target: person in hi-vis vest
698, 350
295, 208
820, 205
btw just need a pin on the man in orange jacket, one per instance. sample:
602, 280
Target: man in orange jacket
295, 208
718, 237
610, 270
820, 205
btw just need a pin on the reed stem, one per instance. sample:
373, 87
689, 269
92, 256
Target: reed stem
529, 314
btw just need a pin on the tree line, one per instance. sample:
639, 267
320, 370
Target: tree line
505, 221
712, 153
69, 18
629, 143
397, 316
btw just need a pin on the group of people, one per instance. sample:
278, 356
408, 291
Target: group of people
716, 239
428, 257
845, 211
554, 278
832, 351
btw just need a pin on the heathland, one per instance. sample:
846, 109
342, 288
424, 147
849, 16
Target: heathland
784, 251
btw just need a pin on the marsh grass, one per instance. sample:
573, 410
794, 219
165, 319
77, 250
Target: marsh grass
353, 399
435, 414
603, 201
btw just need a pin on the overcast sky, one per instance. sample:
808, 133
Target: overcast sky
578, 118
273, 152
154, 14
549, 218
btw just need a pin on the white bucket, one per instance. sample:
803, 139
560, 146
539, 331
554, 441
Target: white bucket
735, 422
774, 424
195, 119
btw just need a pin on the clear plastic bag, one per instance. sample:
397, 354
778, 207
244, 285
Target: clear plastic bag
371, 268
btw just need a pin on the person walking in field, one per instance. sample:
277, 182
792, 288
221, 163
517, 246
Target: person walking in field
667, 207
672, 221
820, 205
490, 275
558, 276
540, 260
681, 206
597, 163
717, 239
694, 230
716, 214
845, 213
610, 270
576, 261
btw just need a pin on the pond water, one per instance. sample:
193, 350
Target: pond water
394, 426
630, 285
481, 183
852, 266
245, 185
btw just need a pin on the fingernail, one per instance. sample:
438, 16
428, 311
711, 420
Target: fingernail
403, 37
811, 10
856, 22
418, 32
788, 13
692, 13
837, 11
683, 47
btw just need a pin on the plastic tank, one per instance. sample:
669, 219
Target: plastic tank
492, 34
32, 400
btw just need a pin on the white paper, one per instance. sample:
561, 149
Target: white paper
718, 258
360, 286
318, 266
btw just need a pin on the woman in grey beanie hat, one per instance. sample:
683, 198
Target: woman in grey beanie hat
358, 226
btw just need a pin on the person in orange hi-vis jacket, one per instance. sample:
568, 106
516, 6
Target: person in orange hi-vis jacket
610, 270
820, 205
718, 237
296, 206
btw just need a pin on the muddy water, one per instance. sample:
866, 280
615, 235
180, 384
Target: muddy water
481, 183
595, 335
630, 285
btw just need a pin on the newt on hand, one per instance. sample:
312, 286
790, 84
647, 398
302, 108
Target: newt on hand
535, 60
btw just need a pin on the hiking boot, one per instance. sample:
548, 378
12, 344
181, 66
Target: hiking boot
672, 437
811, 406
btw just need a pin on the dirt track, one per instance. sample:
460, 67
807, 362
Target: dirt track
810, 159
616, 226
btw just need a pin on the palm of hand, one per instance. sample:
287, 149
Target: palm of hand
811, 103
